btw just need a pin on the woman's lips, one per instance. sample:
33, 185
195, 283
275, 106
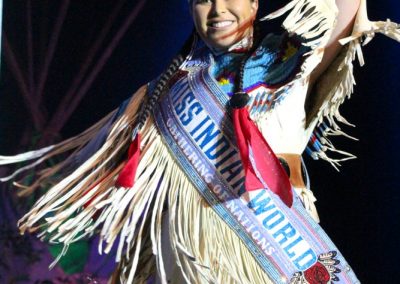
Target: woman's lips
220, 24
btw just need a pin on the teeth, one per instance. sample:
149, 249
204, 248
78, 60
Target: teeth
222, 24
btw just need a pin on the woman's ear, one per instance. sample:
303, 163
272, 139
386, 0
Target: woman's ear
254, 6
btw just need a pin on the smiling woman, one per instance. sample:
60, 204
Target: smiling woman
220, 24
200, 174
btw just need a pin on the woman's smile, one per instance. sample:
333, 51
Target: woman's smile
222, 23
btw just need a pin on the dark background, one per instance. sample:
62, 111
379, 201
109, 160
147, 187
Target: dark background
358, 206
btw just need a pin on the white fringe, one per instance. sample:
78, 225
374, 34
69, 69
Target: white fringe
202, 243
341, 87
206, 249
314, 21
53, 150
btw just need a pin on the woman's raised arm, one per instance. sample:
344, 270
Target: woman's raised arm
345, 20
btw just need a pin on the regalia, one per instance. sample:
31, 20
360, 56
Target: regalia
166, 184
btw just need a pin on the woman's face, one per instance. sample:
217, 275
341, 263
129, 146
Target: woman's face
222, 23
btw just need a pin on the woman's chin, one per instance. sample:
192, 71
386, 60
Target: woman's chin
222, 45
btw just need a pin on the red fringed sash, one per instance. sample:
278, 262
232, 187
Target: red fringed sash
126, 177
267, 165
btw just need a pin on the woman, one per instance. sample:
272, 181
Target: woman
202, 187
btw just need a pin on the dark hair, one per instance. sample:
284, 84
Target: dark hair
165, 77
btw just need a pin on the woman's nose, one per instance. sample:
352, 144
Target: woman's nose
218, 7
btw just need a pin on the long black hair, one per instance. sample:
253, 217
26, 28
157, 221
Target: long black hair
152, 98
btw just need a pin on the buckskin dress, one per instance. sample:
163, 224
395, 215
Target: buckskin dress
187, 216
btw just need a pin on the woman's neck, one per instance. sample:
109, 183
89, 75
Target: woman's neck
242, 46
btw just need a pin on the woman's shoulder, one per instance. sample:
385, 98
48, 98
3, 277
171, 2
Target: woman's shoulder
277, 60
